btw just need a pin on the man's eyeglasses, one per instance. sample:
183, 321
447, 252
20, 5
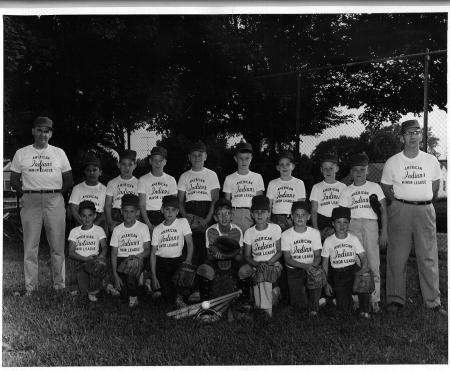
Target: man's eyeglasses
411, 133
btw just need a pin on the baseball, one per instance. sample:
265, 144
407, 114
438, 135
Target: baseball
206, 305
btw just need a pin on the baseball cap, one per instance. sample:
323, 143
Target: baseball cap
260, 202
329, 157
222, 202
340, 212
43, 121
91, 159
170, 201
129, 199
408, 125
197, 146
303, 205
158, 150
243, 147
129, 154
86, 205
359, 159
286, 154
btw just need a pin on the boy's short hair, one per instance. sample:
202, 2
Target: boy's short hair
303, 205
359, 159
158, 150
197, 146
171, 201
341, 212
130, 199
128, 154
285, 154
222, 202
329, 157
92, 159
260, 202
86, 205
243, 148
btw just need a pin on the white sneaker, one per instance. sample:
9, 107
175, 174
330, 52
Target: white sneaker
334, 302
179, 302
74, 292
364, 315
194, 297
322, 302
111, 290
156, 294
376, 308
148, 285
92, 298
133, 301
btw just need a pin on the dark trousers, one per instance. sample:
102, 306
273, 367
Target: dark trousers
323, 221
130, 282
200, 208
155, 216
165, 270
86, 283
343, 289
301, 297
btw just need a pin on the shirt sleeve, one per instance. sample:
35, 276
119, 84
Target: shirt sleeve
285, 243
379, 192
185, 227
110, 188
248, 237
15, 164
182, 183
437, 173
345, 199
101, 233
172, 186
314, 193
386, 176
65, 164
114, 241
145, 234
75, 195
326, 249
301, 189
271, 190
155, 236
259, 183
316, 241
72, 235
214, 181
276, 231
141, 186
227, 185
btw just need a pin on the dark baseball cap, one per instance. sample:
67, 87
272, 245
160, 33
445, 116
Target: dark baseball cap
197, 146
129, 154
359, 159
243, 148
43, 121
129, 199
303, 205
286, 154
260, 202
92, 159
408, 125
222, 202
341, 212
170, 201
329, 157
158, 150
86, 205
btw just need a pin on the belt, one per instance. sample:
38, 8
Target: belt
236, 208
414, 202
43, 191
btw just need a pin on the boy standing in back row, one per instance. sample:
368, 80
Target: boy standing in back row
241, 186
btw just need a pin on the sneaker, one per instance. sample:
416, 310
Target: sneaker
194, 297
148, 285
133, 301
110, 289
439, 309
334, 302
393, 308
179, 302
322, 302
376, 308
74, 292
92, 298
156, 294
313, 313
364, 315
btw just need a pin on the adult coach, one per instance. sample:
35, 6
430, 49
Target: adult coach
411, 180
41, 174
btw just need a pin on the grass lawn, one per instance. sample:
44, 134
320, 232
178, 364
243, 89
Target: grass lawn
49, 330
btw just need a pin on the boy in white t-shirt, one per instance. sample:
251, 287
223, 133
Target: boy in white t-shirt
364, 222
87, 242
198, 190
342, 250
325, 196
129, 239
90, 190
301, 249
262, 244
242, 185
120, 185
285, 190
168, 240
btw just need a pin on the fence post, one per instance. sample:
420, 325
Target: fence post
297, 119
425, 102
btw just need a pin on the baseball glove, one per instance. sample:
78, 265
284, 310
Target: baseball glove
376, 207
195, 223
364, 283
96, 267
267, 273
316, 278
131, 266
224, 248
185, 275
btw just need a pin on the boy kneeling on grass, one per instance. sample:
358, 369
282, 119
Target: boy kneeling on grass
130, 244
85, 243
167, 247
342, 250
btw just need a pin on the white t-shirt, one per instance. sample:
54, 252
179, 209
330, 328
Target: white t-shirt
84, 192
357, 198
243, 187
155, 188
327, 196
41, 169
283, 193
87, 241
198, 184
169, 239
130, 241
412, 178
213, 232
342, 252
301, 245
263, 242
117, 187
